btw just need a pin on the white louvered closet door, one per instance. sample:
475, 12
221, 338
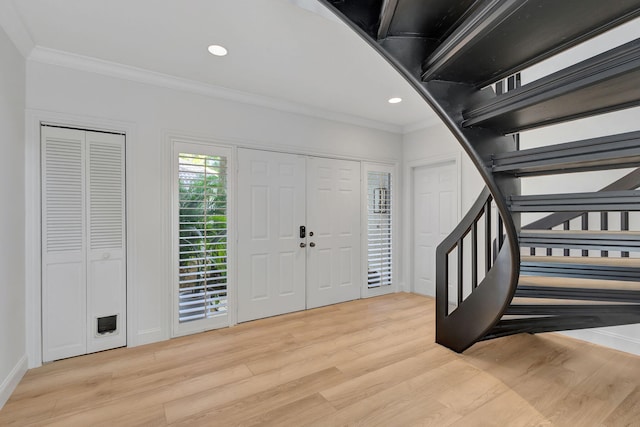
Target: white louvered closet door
83, 242
106, 267
64, 308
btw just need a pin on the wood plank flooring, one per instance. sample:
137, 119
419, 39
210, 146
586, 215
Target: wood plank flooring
368, 363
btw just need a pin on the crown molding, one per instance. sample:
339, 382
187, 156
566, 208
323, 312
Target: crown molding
139, 75
432, 120
12, 24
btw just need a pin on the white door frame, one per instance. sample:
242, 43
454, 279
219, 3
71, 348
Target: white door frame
33, 218
408, 218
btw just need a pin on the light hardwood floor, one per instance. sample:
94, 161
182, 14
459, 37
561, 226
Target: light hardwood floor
368, 362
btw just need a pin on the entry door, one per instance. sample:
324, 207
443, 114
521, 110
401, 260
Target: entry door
271, 209
434, 216
333, 216
282, 269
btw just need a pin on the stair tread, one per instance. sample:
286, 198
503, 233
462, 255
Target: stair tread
520, 301
522, 33
626, 200
627, 241
577, 283
586, 195
608, 152
602, 261
577, 233
604, 83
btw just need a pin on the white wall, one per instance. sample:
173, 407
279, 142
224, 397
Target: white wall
12, 214
153, 113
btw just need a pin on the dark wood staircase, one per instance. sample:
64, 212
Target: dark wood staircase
496, 277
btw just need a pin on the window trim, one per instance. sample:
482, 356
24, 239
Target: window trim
223, 320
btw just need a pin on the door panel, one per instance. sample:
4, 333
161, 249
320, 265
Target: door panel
434, 215
333, 213
64, 309
271, 208
106, 269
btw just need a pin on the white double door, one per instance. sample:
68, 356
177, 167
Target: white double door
283, 267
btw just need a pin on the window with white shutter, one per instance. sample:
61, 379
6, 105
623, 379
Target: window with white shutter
202, 242
379, 227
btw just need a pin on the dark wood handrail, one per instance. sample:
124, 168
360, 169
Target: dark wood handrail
475, 315
472, 216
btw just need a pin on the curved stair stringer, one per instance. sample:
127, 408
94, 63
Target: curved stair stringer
485, 306
480, 312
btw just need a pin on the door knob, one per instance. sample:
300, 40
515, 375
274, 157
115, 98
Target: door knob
303, 245
313, 245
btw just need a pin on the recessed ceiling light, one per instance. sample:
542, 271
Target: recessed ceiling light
395, 100
217, 50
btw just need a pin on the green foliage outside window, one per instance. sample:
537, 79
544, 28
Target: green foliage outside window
203, 236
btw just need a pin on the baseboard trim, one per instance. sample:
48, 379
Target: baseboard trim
10, 383
607, 338
149, 336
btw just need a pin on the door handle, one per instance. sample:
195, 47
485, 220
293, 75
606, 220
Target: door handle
313, 245
303, 245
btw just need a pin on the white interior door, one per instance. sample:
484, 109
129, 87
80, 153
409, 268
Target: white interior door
271, 209
106, 249
434, 216
83, 242
333, 213
64, 308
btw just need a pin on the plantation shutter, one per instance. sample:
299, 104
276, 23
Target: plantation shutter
203, 236
379, 228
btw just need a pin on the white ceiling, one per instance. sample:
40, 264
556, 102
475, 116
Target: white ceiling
276, 49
